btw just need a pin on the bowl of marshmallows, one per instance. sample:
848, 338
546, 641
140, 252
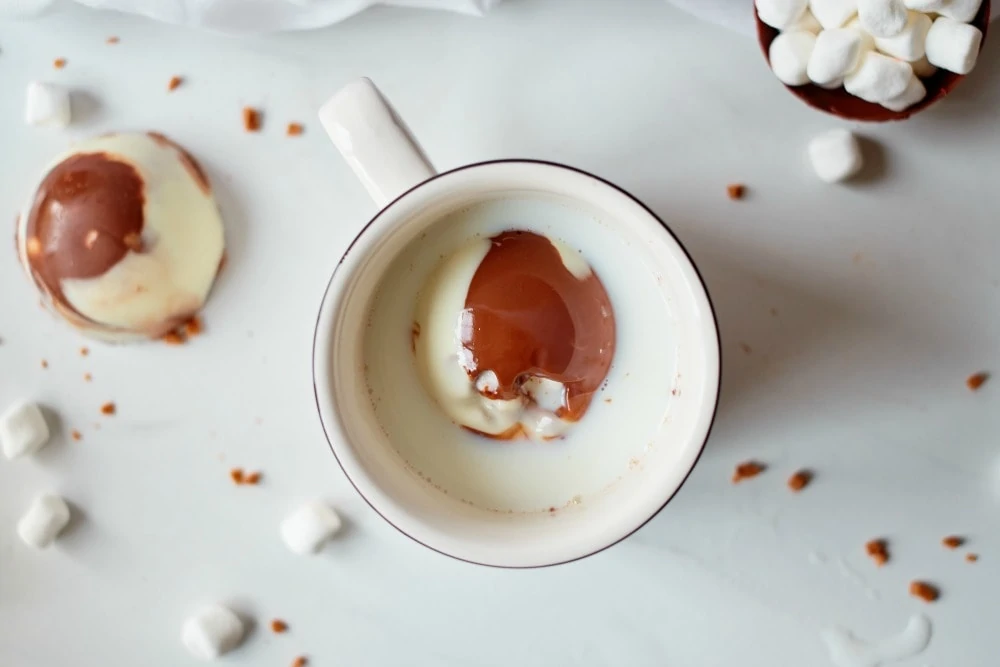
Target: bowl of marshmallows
871, 60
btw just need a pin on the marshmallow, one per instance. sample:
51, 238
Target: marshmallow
909, 44
808, 23
926, 6
833, 85
913, 94
880, 78
781, 14
882, 18
833, 13
43, 522
212, 632
22, 430
47, 105
923, 67
960, 10
953, 46
837, 53
835, 155
308, 528
789, 55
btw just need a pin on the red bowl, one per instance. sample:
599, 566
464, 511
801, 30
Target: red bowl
840, 103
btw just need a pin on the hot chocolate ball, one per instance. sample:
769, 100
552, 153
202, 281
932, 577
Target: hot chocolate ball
123, 237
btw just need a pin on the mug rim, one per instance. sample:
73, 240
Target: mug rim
666, 229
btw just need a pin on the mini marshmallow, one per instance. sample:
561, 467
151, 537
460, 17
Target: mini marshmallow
837, 53
882, 18
807, 23
953, 46
833, 13
212, 632
44, 520
960, 10
926, 6
913, 94
923, 67
781, 14
909, 44
833, 85
47, 105
880, 78
835, 155
23, 430
308, 528
789, 55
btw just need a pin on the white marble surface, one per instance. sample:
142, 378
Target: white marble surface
886, 292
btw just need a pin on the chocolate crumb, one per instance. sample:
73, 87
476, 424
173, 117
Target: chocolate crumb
252, 478
251, 119
173, 338
193, 327
174, 83
952, 542
278, 626
300, 661
45, 364
746, 348
295, 129
87, 377
59, 63
977, 380
108, 409
736, 191
84, 351
878, 550
925, 591
800, 480
746, 470
236, 474
76, 435
971, 558
113, 40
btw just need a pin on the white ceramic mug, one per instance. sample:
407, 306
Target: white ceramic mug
412, 197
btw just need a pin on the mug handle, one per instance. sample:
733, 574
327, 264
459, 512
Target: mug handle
375, 141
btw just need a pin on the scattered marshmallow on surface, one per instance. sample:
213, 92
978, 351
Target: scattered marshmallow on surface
23, 430
835, 155
833, 13
212, 632
923, 67
47, 105
781, 14
913, 94
926, 6
789, 55
837, 53
879, 79
44, 520
308, 528
882, 18
960, 10
909, 44
953, 45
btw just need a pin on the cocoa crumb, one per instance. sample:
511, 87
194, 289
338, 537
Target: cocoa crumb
878, 550
84, 351
295, 129
236, 474
746, 348
251, 119
174, 83
252, 478
736, 191
87, 377
113, 40
278, 626
59, 63
607, 400
76, 435
977, 380
924, 591
746, 470
173, 338
800, 480
45, 364
971, 558
108, 409
193, 327
952, 542
300, 661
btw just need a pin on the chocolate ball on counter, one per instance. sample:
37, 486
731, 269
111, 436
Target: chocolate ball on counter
123, 237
